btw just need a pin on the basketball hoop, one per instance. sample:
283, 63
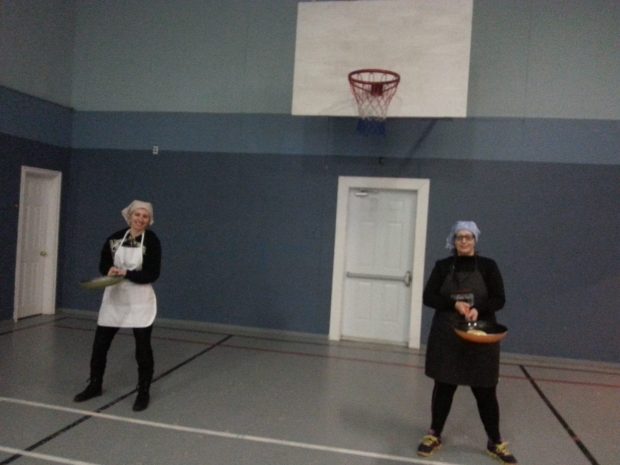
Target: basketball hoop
373, 90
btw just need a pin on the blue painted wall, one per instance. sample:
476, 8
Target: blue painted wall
245, 195
249, 238
27, 117
14, 153
33, 132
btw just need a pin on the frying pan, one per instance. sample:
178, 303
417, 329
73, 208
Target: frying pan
467, 331
101, 282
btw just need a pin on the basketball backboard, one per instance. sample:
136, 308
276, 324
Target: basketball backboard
426, 41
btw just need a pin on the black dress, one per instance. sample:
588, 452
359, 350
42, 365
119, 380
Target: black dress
449, 359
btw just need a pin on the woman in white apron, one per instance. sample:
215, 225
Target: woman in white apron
463, 286
134, 254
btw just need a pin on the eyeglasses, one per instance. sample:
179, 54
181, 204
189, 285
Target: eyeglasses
466, 238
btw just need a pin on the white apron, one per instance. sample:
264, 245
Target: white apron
127, 304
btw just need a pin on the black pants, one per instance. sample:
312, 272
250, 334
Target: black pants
144, 352
488, 408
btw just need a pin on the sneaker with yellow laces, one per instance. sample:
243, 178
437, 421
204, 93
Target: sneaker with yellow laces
500, 452
429, 444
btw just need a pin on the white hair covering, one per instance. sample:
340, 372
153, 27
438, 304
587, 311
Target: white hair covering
462, 226
128, 210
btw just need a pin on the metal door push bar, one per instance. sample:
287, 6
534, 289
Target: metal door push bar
383, 277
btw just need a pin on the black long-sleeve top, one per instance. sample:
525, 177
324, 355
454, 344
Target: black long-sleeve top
151, 256
490, 272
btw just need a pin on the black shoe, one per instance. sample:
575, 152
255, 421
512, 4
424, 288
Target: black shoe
142, 401
92, 390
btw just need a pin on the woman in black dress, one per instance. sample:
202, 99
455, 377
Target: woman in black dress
464, 286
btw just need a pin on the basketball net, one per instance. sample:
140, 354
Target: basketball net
373, 90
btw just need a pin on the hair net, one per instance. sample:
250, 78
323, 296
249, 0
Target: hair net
128, 210
462, 226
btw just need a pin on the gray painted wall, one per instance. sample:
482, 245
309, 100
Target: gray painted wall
533, 59
551, 58
233, 56
545, 59
36, 47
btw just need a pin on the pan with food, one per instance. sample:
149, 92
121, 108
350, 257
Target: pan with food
101, 282
481, 332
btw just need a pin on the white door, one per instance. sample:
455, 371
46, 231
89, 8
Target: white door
380, 231
37, 242
379, 260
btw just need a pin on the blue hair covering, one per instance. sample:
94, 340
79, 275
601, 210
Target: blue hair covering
462, 226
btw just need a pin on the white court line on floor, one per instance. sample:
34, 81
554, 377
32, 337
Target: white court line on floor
226, 434
46, 457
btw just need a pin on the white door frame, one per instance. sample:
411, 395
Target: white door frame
345, 184
49, 305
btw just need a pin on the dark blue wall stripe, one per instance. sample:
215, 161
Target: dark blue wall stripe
506, 139
32, 118
494, 139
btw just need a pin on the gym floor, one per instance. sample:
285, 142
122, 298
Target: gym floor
265, 398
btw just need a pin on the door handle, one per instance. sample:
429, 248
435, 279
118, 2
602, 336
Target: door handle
43, 253
383, 277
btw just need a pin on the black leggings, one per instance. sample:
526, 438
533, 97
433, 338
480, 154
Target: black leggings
144, 352
488, 408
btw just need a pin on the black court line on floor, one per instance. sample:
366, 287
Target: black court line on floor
127, 334
381, 348
81, 420
561, 419
227, 337
528, 377
356, 359
410, 365
369, 346
38, 325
